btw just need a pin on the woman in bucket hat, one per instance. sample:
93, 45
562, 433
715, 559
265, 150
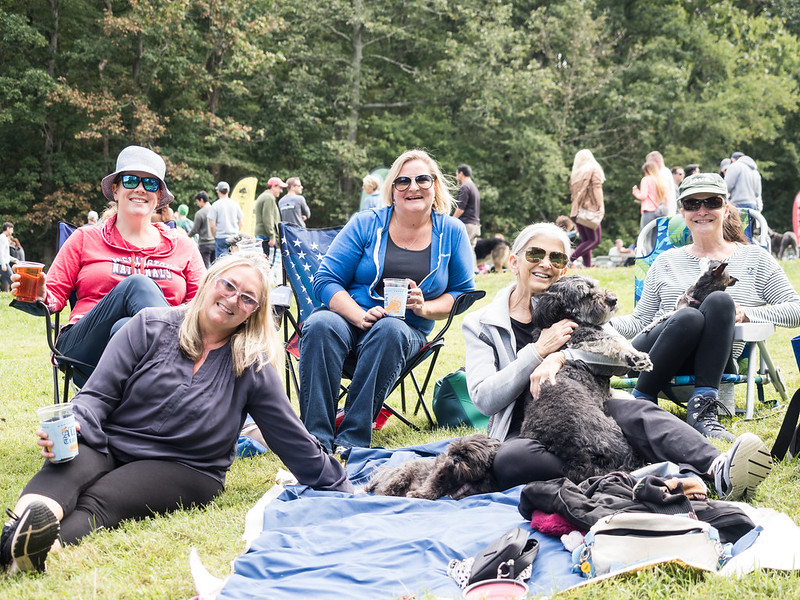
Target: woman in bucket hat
697, 341
123, 265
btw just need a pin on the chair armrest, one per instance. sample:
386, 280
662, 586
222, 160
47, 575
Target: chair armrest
462, 303
465, 300
281, 295
36, 309
753, 332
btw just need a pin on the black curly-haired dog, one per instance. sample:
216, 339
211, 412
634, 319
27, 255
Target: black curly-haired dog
463, 469
569, 417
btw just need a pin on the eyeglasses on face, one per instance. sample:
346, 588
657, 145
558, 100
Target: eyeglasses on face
150, 184
246, 302
535, 255
424, 182
712, 203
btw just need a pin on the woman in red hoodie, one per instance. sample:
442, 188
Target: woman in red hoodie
124, 265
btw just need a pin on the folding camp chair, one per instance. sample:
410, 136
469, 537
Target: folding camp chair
302, 250
68, 366
672, 232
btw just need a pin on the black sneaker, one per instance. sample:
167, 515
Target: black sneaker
701, 413
27, 538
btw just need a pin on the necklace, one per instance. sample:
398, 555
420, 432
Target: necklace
402, 240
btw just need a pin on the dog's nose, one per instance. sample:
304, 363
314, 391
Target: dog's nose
612, 300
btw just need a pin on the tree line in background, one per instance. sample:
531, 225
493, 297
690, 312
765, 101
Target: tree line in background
329, 90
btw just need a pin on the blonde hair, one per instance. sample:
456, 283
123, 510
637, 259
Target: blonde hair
650, 169
256, 341
584, 160
371, 183
443, 201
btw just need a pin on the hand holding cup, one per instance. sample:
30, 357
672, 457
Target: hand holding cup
27, 282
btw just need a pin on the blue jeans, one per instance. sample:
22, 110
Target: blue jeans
221, 246
88, 337
380, 352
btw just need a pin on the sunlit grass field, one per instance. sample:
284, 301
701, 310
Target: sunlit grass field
149, 559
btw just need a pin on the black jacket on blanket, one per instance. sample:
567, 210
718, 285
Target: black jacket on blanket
585, 504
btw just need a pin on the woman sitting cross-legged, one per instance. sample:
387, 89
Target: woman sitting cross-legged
505, 368
697, 340
159, 418
410, 237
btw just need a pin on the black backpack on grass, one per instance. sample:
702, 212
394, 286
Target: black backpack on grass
788, 441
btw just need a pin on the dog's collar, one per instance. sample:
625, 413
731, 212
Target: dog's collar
692, 300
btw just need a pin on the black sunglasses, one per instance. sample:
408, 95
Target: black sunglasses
712, 203
401, 184
150, 184
536, 255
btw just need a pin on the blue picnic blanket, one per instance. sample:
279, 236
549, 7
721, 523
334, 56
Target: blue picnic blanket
332, 545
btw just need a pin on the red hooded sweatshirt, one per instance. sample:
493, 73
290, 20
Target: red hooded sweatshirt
96, 258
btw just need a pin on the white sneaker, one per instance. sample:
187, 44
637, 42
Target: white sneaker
738, 472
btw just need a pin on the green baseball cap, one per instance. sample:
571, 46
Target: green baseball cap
703, 183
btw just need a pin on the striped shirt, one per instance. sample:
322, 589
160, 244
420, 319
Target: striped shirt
762, 289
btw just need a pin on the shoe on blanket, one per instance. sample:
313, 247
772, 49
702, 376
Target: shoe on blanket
738, 472
27, 538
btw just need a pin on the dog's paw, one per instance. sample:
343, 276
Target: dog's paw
639, 361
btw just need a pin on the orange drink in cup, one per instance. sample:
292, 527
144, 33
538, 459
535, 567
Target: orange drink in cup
28, 280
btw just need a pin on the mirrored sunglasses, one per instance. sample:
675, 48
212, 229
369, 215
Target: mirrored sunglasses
424, 182
150, 184
227, 289
536, 255
712, 203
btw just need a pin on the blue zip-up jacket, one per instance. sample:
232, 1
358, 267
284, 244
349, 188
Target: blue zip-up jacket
354, 262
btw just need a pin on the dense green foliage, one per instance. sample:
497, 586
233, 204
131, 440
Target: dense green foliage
329, 90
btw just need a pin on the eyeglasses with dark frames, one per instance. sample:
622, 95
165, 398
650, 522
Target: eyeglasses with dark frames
424, 182
535, 255
692, 204
246, 302
150, 184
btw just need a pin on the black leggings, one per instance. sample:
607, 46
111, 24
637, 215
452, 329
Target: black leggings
96, 491
654, 433
693, 341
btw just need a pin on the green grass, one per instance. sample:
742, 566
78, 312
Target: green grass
149, 559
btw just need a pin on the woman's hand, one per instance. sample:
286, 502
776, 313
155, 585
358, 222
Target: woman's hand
546, 371
740, 316
41, 293
47, 444
555, 336
415, 301
371, 317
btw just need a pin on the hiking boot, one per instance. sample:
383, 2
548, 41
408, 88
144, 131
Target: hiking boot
738, 472
27, 538
701, 413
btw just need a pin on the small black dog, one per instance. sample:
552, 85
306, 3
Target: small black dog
495, 248
714, 277
784, 245
569, 417
463, 469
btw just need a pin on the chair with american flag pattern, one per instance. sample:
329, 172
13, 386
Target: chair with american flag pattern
302, 250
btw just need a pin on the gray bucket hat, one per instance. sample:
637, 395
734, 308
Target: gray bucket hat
137, 158
703, 183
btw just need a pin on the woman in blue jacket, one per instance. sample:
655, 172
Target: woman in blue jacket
412, 237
